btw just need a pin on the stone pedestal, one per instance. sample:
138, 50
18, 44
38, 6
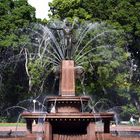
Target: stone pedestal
67, 78
48, 132
91, 131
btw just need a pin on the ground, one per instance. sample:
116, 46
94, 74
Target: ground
114, 136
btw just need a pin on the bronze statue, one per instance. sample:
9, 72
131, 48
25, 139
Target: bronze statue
68, 31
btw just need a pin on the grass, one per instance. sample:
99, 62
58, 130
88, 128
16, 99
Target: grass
11, 124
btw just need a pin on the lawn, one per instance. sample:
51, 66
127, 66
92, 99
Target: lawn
11, 124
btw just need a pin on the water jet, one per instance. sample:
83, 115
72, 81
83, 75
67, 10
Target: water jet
66, 118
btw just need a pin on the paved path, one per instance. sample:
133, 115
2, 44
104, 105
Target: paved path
99, 136
38, 127
125, 128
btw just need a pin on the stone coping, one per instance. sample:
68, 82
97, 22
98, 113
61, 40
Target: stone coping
81, 115
68, 98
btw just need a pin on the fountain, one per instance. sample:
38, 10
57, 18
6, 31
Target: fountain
65, 118
68, 53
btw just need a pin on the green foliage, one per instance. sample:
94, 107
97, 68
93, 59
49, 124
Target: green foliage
128, 110
122, 15
14, 16
69, 8
3, 119
37, 75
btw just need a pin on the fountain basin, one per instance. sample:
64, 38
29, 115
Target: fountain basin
65, 120
67, 104
59, 116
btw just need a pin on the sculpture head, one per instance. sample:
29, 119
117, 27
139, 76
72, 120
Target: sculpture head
67, 23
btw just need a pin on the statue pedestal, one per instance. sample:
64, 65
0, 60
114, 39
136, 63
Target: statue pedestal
67, 78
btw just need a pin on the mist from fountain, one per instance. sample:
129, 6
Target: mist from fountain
88, 47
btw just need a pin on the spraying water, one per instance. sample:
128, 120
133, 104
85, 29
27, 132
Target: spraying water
88, 44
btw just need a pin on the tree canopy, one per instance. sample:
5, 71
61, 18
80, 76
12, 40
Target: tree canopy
111, 64
14, 17
121, 14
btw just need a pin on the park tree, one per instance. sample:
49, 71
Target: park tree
15, 18
121, 14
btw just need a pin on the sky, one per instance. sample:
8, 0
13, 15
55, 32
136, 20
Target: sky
41, 7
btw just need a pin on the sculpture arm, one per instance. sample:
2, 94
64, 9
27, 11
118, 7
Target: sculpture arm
56, 28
